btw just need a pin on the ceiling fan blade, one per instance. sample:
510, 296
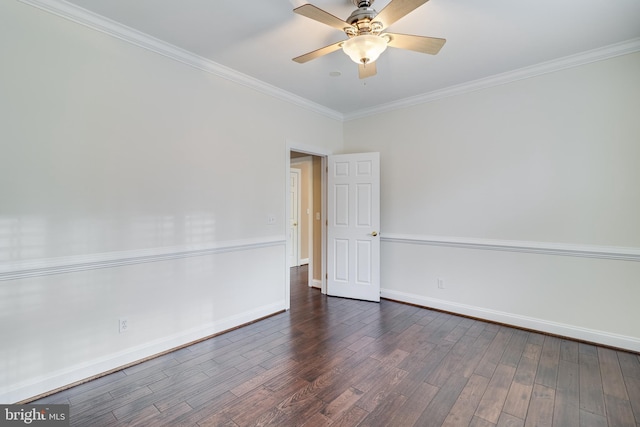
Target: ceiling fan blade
430, 45
318, 53
317, 14
367, 70
396, 10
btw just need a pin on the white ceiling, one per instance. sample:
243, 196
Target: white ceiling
484, 38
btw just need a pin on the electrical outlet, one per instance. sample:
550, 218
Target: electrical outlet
123, 324
440, 283
271, 219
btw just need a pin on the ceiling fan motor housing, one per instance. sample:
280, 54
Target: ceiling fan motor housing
362, 19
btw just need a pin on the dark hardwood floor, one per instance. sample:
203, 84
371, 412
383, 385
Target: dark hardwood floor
340, 362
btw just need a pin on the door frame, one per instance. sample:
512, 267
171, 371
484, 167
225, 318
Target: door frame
322, 153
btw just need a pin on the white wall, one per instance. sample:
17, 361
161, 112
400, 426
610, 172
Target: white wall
523, 197
119, 197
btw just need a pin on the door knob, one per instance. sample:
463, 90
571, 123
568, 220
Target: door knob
374, 234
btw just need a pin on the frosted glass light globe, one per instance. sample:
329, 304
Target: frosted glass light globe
365, 48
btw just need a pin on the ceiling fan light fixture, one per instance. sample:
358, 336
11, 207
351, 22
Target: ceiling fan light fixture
365, 48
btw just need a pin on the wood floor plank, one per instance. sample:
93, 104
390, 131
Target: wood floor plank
591, 392
492, 402
633, 388
341, 403
438, 409
413, 362
494, 353
480, 422
452, 362
353, 372
340, 362
476, 328
134, 414
317, 420
350, 418
383, 411
386, 369
104, 420
569, 351
414, 406
86, 411
536, 339
198, 415
84, 416
611, 374
630, 364
202, 395
531, 350
514, 349
547, 372
420, 372
385, 386
507, 420
412, 338
519, 395
566, 411
294, 409
540, 411
465, 406
588, 419
619, 412
518, 399
361, 343
257, 380
246, 409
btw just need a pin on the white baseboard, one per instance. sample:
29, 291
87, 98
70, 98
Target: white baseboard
555, 328
316, 283
90, 369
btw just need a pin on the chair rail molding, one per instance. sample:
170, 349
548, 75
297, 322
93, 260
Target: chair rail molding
12, 270
546, 248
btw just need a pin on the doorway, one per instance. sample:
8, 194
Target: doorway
360, 251
298, 233
306, 169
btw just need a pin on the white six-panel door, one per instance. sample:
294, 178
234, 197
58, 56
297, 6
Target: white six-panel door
353, 213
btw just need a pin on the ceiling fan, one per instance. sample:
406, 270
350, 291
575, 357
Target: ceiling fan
365, 27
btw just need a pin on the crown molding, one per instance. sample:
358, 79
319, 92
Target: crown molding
611, 51
107, 26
